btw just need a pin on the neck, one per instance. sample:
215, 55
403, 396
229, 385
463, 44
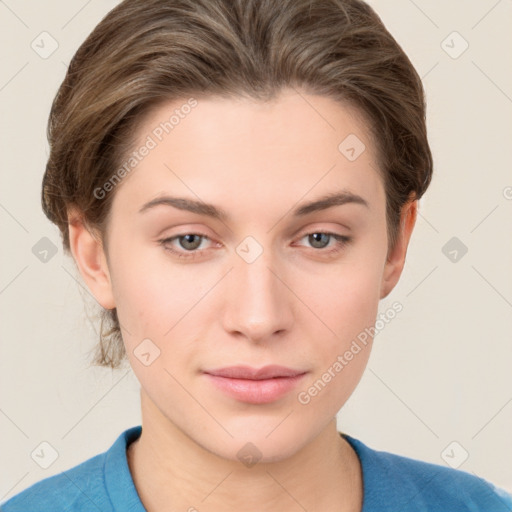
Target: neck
173, 472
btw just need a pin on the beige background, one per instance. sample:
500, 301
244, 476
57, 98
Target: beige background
440, 371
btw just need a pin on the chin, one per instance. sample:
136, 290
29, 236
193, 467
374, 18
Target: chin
263, 443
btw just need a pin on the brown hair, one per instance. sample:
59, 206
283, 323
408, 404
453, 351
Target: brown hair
145, 52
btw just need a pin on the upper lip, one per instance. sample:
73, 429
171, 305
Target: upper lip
247, 372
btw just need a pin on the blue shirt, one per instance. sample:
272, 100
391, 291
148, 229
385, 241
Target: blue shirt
391, 483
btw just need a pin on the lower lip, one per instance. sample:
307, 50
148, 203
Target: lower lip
256, 391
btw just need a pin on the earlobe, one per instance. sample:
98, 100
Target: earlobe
90, 258
396, 258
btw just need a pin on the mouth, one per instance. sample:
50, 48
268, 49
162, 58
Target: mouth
253, 385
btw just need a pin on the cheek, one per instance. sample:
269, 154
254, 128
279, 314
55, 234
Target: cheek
348, 307
345, 298
161, 300
155, 305
147, 292
358, 298
350, 311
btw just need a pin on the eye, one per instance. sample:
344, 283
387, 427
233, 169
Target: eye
188, 243
320, 240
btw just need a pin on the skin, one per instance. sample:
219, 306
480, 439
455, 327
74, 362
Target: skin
295, 305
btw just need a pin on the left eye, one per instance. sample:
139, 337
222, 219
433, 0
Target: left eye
320, 239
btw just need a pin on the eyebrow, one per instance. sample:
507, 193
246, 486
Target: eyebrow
201, 208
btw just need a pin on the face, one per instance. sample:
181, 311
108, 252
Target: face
265, 282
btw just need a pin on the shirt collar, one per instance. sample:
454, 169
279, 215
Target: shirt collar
118, 479
121, 488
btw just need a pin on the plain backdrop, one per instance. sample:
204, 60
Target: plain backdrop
438, 386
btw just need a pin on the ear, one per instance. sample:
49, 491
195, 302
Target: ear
88, 253
396, 258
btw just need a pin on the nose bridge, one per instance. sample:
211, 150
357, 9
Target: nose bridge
257, 302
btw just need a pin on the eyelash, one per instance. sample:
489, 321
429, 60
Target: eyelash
341, 242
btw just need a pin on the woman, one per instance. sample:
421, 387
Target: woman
237, 182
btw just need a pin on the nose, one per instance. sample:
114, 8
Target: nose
258, 304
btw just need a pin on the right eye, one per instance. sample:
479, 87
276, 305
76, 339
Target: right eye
189, 243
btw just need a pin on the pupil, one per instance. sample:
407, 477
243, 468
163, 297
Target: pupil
316, 236
188, 241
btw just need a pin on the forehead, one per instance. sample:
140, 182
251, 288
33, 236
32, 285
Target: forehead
244, 151
291, 118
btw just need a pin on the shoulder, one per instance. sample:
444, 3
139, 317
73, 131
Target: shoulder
394, 482
94, 484
78, 488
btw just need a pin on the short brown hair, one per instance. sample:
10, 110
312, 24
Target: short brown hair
145, 52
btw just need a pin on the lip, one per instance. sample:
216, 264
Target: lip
255, 385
